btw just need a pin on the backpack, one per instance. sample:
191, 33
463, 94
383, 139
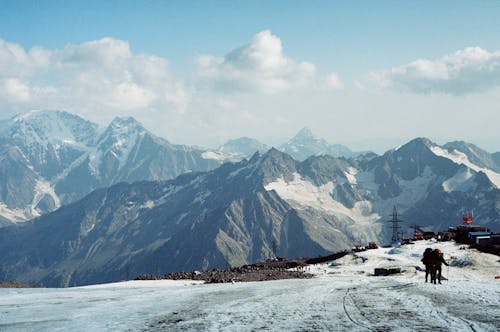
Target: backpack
427, 257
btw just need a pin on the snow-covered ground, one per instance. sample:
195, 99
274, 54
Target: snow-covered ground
344, 296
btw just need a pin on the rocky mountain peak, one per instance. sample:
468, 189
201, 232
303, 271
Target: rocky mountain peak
304, 133
416, 146
305, 144
276, 164
126, 124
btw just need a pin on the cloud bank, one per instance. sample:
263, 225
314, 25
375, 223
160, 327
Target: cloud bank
105, 76
97, 75
261, 66
466, 71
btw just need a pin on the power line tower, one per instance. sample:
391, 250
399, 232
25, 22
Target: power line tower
395, 225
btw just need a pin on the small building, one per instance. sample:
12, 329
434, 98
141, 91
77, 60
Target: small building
488, 239
429, 235
472, 236
462, 232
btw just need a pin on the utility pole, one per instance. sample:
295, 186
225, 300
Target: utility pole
395, 225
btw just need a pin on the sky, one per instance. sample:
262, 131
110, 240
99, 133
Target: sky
367, 74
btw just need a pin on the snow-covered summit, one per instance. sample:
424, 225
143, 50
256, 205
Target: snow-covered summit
304, 144
461, 158
50, 127
127, 122
243, 147
475, 154
71, 156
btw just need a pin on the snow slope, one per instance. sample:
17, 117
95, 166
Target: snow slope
460, 158
303, 194
343, 297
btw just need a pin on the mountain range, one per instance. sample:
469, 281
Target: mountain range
52, 158
251, 210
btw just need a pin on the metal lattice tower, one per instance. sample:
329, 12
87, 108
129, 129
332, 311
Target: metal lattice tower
395, 225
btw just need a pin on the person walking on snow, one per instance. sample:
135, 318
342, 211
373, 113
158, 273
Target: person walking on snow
437, 260
429, 267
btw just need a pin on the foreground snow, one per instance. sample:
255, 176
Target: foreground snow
343, 297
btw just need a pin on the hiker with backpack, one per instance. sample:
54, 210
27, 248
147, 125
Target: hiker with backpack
437, 260
427, 259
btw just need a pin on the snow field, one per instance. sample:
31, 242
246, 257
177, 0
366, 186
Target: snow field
460, 158
342, 297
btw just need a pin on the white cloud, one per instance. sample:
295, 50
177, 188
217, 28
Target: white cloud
333, 81
95, 76
260, 66
16, 90
470, 70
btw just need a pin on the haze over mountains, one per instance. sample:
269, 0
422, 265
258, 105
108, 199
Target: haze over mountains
52, 158
244, 211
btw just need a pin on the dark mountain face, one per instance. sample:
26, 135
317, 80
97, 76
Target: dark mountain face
496, 158
231, 215
238, 212
197, 221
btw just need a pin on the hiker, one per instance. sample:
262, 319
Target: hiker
429, 265
437, 260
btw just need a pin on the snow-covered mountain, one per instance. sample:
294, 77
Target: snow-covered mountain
431, 186
238, 212
231, 215
243, 147
304, 144
236, 150
51, 158
474, 154
60, 157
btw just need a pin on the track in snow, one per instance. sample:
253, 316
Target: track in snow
355, 303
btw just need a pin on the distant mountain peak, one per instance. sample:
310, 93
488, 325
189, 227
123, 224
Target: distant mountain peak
243, 147
128, 121
304, 133
276, 157
423, 140
273, 153
34, 114
43, 126
419, 142
304, 144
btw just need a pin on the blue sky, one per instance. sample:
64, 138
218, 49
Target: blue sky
215, 90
